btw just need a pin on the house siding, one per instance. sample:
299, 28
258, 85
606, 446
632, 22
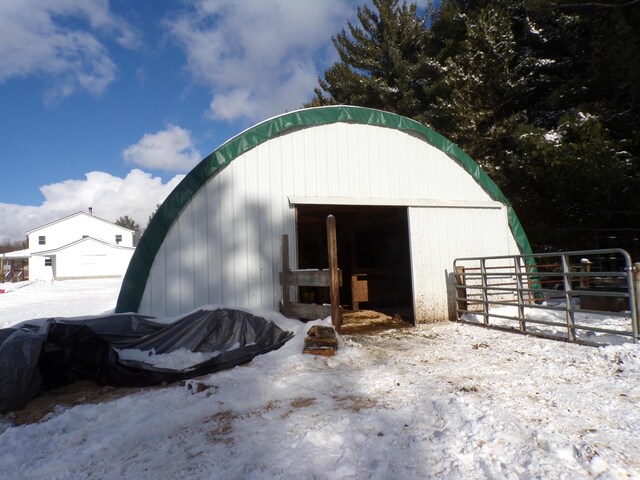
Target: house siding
85, 259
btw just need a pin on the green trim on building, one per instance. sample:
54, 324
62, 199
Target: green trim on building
135, 279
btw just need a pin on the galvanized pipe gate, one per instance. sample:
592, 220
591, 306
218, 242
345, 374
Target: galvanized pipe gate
587, 296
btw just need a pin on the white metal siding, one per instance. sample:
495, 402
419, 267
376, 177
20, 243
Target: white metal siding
440, 235
225, 246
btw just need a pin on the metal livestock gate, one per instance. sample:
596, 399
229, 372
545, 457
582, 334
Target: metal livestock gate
588, 296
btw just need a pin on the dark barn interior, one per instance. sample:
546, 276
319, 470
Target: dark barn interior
373, 255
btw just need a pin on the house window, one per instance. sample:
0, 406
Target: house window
118, 239
42, 240
47, 262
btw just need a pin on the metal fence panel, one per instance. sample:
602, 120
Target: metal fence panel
586, 296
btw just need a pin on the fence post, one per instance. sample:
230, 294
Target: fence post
585, 267
568, 294
461, 291
636, 290
519, 296
485, 296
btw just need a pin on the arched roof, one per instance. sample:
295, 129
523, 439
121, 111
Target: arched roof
135, 279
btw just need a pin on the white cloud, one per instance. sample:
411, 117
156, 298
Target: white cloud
59, 40
111, 197
258, 57
170, 149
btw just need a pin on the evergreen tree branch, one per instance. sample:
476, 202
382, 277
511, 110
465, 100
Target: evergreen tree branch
555, 5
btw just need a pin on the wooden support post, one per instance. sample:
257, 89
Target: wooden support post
334, 274
286, 299
519, 295
568, 295
585, 267
461, 291
485, 296
636, 291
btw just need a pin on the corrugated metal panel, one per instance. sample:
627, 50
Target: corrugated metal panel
200, 208
174, 255
440, 235
226, 249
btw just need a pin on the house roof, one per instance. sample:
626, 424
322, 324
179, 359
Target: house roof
63, 219
88, 238
135, 279
16, 254
26, 253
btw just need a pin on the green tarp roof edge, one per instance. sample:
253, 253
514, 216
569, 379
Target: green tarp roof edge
135, 279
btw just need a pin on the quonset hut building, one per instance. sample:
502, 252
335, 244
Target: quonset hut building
407, 202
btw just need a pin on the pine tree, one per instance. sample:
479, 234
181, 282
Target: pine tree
479, 94
382, 61
152, 214
533, 97
585, 84
127, 222
572, 178
544, 95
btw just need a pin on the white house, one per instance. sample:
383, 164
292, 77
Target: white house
78, 246
407, 202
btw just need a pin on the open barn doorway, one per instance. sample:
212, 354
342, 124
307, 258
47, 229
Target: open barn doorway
373, 254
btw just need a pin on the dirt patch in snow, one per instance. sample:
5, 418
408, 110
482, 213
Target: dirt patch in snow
362, 321
59, 399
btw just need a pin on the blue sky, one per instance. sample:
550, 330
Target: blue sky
108, 103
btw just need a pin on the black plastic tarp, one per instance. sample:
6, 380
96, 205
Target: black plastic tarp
48, 353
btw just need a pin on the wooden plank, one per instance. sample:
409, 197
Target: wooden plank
310, 278
359, 289
461, 290
334, 285
309, 311
322, 351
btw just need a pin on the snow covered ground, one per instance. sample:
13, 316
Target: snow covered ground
437, 401
618, 326
70, 298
